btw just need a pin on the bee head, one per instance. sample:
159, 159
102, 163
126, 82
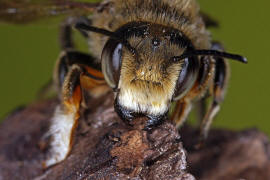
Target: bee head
149, 65
145, 77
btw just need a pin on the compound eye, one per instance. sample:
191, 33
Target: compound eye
187, 76
111, 62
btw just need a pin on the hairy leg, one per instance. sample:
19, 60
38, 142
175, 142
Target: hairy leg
74, 73
217, 90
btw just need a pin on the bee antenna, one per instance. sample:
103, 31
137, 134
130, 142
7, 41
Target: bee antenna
214, 53
85, 27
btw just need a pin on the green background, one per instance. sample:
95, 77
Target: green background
28, 53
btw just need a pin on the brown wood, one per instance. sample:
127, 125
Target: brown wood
105, 148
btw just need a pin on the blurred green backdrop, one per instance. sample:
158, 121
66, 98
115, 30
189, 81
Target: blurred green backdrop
28, 53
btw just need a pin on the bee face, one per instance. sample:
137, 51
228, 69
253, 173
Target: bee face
148, 80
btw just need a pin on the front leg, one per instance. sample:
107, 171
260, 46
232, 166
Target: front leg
65, 119
182, 109
75, 72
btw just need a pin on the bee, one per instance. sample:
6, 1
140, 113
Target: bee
156, 55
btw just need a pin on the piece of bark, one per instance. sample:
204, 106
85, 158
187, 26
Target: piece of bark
104, 147
228, 155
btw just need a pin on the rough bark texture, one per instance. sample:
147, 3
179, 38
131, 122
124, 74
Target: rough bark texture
105, 148
229, 155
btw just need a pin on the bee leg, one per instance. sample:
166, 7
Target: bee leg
201, 107
66, 41
217, 89
73, 73
93, 82
206, 74
65, 35
68, 58
65, 117
66, 44
183, 107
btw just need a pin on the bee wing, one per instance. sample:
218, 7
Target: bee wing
25, 11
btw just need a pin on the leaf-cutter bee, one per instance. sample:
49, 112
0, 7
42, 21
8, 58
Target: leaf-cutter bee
152, 53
